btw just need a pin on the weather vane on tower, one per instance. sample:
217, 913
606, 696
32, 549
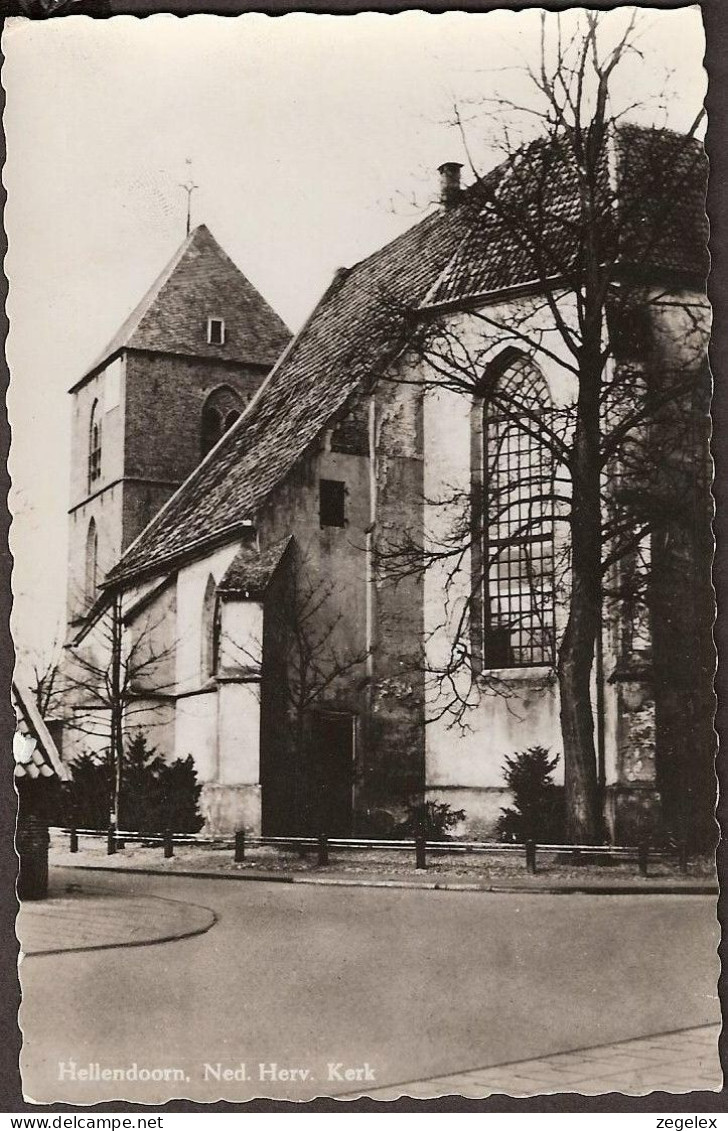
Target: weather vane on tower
189, 186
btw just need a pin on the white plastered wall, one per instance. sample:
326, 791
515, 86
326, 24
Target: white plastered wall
196, 711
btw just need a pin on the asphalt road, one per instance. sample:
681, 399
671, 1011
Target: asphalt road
397, 984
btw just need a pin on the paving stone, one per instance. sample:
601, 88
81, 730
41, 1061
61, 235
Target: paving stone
673, 1062
88, 921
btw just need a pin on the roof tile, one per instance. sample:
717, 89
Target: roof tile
201, 281
362, 319
251, 569
352, 332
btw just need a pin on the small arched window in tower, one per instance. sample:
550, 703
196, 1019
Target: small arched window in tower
94, 445
518, 521
92, 562
222, 408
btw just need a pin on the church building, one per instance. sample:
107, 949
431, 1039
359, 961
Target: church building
251, 502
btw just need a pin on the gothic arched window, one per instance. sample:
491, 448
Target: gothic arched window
210, 629
518, 520
94, 445
222, 408
92, 562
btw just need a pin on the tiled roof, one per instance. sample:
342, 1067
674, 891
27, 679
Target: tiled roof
251, 569
664, 179
30, 761
361, 321
348, 339
34, 751
201, 281
513, 238
529, 216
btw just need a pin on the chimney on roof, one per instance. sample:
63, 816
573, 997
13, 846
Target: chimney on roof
449, 184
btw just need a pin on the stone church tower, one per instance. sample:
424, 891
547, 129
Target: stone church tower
159, 397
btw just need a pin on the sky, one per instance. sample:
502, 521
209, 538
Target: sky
313, 139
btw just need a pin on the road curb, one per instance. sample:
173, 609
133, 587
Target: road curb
168, 935
635, 888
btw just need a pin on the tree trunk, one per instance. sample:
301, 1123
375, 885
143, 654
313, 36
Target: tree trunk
117, 724
576, 655
299, 794
577, 722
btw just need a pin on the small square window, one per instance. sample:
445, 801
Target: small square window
332, 494
216, 331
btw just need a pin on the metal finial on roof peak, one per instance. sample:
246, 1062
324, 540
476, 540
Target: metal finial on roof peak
189, 186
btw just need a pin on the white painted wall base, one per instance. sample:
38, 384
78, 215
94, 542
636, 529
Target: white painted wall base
227, 808
482, 809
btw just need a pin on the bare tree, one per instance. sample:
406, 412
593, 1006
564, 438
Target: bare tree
582, 215
115, 666
45, 679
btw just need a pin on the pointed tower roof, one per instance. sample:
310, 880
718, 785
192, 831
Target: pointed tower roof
200, 282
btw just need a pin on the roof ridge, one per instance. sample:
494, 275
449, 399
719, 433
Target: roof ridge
133, 320
343, 342
228, 436
202, 262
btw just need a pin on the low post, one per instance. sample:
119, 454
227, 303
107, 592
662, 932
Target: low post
531, 857
323, 850
240, 846
420, 851
683, 858
73, 845
111, 841
643, 852
168, 844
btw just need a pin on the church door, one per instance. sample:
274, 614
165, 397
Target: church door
331, 774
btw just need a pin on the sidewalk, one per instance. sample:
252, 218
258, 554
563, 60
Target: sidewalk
388, 870
88, 920
672, 1062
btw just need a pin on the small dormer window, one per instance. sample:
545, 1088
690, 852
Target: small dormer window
216, 331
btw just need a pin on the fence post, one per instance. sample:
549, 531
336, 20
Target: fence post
643, 852
420, 853
73, 846
531, 857
323, 850
110, 841
240, 846
683, 857
168, 844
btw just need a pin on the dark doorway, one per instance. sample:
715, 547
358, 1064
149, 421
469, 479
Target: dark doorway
331, 774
